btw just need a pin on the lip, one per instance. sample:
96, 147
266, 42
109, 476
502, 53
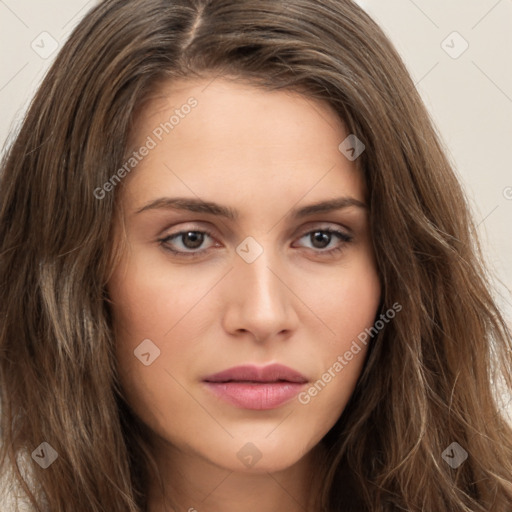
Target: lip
254, 387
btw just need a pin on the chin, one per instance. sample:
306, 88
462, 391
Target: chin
259, 455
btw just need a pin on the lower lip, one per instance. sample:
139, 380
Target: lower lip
246, 395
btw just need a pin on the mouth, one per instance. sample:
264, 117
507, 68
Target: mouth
257, 388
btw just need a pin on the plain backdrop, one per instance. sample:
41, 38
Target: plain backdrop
458, 52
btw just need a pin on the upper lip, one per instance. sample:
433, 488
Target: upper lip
253, 373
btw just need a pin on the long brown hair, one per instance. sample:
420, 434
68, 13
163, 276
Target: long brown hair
429, 378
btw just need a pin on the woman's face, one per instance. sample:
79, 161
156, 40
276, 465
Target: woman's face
256, 278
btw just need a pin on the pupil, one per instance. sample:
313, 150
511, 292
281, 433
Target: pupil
320, 236
197, 239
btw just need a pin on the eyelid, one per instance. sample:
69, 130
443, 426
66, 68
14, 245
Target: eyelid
328, 226
310, 226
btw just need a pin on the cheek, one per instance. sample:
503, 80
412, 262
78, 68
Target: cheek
152, 311
148, 299
348, 306
348, 300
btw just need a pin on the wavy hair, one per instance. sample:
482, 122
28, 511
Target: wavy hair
430, 375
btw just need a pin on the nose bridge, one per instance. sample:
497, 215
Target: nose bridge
257, 273
260, 294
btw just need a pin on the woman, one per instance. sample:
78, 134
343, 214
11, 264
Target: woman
238, 272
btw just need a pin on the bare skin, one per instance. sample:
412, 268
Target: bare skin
263, 154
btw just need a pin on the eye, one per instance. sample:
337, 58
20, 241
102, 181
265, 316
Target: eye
322, 238
189, 241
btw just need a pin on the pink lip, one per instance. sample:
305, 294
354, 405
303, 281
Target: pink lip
259, 388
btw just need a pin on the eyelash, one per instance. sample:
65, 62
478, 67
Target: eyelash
344, 238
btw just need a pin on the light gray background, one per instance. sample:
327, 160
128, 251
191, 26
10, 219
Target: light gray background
469, 95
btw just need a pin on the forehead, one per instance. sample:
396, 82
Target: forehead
240, 140
223, 105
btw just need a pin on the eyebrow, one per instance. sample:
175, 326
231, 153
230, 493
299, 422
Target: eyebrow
209, 207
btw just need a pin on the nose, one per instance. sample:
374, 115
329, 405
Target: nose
259, 299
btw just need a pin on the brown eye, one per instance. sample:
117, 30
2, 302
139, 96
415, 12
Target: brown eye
185, 243
322, 238
192, 239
